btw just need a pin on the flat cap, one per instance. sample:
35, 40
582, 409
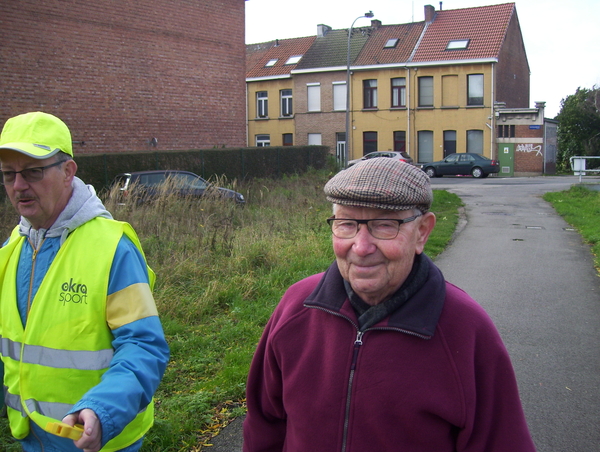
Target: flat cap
381, 183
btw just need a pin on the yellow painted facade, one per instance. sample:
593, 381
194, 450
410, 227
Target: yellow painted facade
449, 112
275, 125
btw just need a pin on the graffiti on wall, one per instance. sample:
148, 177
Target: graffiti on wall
530, 148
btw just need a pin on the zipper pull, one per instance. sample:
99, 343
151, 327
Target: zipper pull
358, 342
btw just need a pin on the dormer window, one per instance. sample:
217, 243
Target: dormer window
294, 59
391, 43
271, 63
459, 44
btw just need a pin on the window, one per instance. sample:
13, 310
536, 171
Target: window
399, 92
294, 59
459, 44
263, 140
369, 142
288, 139
475, 141
391, 43
339, 96
425, 91
262, 104
286, 102
314, 97
425, 143
400, 141
271, 63
449, 142
475, 89
370, 93
340, 147
314, 139
506, 131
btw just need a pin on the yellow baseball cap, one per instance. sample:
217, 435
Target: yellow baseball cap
36, 134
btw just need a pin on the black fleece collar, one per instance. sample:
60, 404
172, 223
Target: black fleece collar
415, 308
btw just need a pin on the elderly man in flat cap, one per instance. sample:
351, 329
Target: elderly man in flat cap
380, 353
81, 339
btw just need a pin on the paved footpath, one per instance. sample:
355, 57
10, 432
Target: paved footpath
536, 279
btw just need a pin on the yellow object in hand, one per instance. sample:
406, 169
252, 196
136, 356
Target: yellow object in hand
65, 430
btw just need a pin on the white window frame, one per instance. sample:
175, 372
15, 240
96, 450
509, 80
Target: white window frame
263, 140
313, 94
475, 89
398, 92
339, 96
294, 59
286, 103
262, 104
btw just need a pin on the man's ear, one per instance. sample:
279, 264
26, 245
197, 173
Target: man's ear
424, 228
70, 170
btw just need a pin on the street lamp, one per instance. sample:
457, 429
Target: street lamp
347, 144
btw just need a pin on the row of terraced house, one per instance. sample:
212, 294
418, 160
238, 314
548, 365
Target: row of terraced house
456, 82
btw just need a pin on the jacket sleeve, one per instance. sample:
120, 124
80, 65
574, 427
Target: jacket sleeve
494, 417
265, 423
141, 352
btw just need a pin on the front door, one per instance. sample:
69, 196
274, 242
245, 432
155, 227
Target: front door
506, 158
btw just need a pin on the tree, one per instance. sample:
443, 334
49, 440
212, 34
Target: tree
579, 125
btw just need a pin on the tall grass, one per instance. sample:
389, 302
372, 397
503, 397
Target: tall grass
221, 269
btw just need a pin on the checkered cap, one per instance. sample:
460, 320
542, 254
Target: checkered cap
381, 183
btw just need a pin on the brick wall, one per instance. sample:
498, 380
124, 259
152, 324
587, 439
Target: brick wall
512, 74
120, 73
327, 122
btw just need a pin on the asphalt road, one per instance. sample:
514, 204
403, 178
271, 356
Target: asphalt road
536, 279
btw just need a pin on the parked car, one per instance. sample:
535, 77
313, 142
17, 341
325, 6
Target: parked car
462, 164
402, 156
147, 185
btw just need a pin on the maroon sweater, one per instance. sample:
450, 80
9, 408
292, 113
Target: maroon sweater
432, 377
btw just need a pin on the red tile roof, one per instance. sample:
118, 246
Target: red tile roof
484, 26
257, 55
374, 51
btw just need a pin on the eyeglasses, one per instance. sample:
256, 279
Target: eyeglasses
29, 174
380, 228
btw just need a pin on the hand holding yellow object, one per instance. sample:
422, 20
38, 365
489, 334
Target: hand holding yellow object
65, 430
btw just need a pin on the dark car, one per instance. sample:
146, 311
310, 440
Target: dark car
402, 156
147, 185
462, 164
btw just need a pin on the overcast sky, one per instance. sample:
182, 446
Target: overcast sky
561, 36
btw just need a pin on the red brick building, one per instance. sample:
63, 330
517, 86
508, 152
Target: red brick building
128, 76
526, 141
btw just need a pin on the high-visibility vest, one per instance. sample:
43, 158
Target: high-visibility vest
65, 347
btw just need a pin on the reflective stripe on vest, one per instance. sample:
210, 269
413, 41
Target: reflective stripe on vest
60, 359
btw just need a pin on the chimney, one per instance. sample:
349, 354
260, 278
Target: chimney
322, 30
375, 23
429, 13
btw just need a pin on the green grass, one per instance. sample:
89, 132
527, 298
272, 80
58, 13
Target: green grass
221, 271
580, 207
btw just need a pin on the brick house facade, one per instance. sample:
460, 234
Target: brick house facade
128, 76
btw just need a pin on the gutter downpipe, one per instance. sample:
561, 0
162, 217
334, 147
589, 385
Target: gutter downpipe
408, 99
492, 114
